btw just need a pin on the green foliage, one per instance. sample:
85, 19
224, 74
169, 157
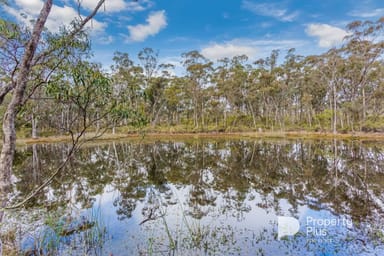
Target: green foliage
8, 29
373, 125
324, 119
88, 85
296, 93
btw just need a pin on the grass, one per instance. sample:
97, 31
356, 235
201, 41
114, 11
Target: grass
166, 135
88, 240
188, 237
8, 242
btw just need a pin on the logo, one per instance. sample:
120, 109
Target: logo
287, 226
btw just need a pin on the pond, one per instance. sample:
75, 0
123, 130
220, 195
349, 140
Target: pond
210, 196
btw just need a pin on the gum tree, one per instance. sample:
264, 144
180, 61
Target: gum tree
18, 83
198, 74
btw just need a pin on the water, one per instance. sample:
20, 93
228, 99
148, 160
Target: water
216, 197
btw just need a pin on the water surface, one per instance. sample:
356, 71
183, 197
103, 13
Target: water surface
217, 197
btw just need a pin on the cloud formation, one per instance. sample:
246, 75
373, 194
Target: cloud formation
253, 48
229, 50
327, 35
59, 16
270, 10
367, 14
33, 6
156, 21
118, 5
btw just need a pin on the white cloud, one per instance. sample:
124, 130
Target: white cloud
32, 6
229, 50
105, 40
270, 10
139, 6
59, 16
367, 14
64, 15
155, 22
254, 49
118, 5
327, 35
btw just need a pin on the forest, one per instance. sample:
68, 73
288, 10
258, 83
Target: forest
339, 91
50, 87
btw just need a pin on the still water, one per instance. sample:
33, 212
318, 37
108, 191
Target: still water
214, 197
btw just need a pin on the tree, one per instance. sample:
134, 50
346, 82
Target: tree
220, 79
87, 93
156, 77
313, 90
174, 98
270, 88
127, 80
198, 73
18, 85
334, 71
363, 48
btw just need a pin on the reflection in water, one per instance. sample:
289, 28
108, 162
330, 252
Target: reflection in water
219, 196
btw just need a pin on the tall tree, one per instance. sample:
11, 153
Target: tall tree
363, 47
198, 73
128, 79
18, 85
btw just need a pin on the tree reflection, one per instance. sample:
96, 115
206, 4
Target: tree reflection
343, 177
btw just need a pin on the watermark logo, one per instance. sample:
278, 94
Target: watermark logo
316, 229
287, 226
321, 227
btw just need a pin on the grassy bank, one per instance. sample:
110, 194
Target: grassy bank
162, 135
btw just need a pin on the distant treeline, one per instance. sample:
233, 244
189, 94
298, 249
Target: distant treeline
341, 90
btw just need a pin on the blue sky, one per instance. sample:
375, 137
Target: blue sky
216, 28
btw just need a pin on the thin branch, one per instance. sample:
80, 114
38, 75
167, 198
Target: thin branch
43, 185
5, 90
77, 142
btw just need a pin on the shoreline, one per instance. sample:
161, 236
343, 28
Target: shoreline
190, 135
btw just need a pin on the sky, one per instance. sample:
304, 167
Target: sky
215, 28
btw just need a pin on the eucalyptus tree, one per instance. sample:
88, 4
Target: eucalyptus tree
31, 54
18, 83
87, 92
238, 83
377, 97
155, 94
175, 100
363, 48
156, 77
220, 78
294, 96
331, 67
198, 73
152, 89
335, 72
127, 80
241, 93
313, 90
270, 88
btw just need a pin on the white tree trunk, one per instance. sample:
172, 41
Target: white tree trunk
9, 132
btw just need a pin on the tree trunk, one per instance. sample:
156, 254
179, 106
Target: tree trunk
334, 108
35, 163
9, 132
364, 106
202, 114
34, 125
